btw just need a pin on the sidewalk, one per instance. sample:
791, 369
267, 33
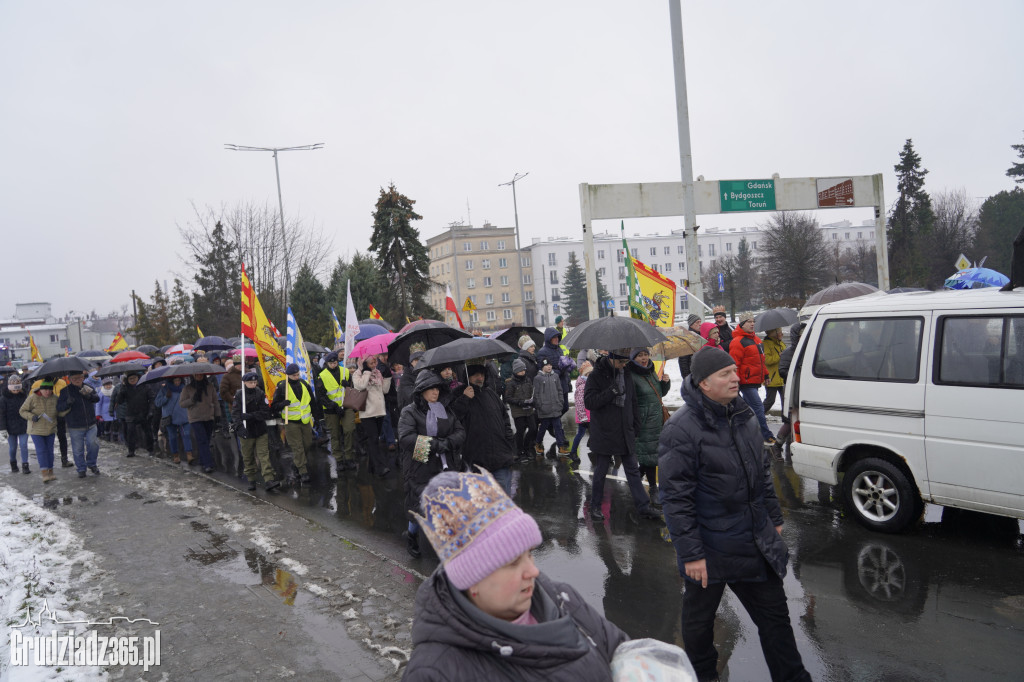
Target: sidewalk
241, 589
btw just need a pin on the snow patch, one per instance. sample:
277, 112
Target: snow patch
293, 566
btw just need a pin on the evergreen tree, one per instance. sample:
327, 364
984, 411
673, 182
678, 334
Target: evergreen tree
181, 322
367, 289
152, 323
215, 305
795, 259
308, 300
575, 307
1016, 170
745, 276
999, 220
910, 222
400, 255
602, 299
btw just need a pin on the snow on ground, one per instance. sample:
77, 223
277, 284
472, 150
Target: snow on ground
42, 560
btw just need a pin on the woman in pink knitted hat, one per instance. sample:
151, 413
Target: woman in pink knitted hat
487, 612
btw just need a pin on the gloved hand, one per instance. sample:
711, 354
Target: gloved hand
617, 391
35, 417
528, 401
321, 426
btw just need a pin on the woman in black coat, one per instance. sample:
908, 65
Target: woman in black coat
430, 437
11, 399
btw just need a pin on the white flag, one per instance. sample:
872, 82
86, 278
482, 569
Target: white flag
351, 323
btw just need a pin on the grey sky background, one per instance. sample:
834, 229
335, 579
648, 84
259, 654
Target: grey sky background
113, 115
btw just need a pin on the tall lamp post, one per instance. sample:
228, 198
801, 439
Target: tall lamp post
280, 203
519, 254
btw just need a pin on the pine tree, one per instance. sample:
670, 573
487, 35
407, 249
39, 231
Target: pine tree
308, 300
910, 222
181, 321
999, 221
795, 259
400, 255
1016, 170
152, 324
215, 305
602, 299
575, 307
367, 289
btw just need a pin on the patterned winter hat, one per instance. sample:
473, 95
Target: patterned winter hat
746, 317
474, 527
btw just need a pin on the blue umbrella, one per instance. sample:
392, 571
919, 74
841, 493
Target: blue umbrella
976, 278
368, 331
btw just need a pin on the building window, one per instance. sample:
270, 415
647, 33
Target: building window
619, 255
668, 250
527, 279
623, 289
474, 316
860, 235
483, 246
486, 264
847, 237
624, 304
753, 245
501, 245
503, 262
600, 272
473, 299
469, 265
552, 260
728, 247
600, 254
525, 261
53, 338
491, 317
553, 276
508, 314
682, 282
506, 297
835, 236
679, 249
682, 266
682, 301
654, 266
529, 295
487, 281
654, 251
470, 283
668, 267
622, 273
871, 234
467, 246
700, 250
555, 296
504, 280
488, 299
634, 252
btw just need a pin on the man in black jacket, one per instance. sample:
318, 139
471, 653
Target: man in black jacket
78, 404
488, 430
250, 425
614, 421
724, 518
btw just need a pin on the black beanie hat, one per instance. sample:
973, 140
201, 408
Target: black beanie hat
707, 361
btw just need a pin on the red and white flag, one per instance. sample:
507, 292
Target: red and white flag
449, 305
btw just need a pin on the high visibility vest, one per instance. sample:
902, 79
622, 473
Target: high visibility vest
335, 391
565, 351
297, 409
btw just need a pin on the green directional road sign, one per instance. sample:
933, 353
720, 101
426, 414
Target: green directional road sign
746, 195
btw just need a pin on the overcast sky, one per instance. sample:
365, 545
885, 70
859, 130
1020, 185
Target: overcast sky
114, 115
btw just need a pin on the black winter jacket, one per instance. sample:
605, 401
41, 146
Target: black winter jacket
135, 400
519, 390
449, 439
489, 436
613, 429
452, 642
786, 356
11, 420
257, 411
407, 387
79, 409
717, 490
531, 363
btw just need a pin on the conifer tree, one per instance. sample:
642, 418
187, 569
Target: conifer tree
400, 256
910, 222
215, 305
179, 308
308, 300
575, 307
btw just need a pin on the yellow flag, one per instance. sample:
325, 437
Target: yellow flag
200, 331
117, 344
34, 349
656, 299
260, 331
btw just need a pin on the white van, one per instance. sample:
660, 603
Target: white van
913, 398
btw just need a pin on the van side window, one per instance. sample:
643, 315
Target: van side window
870, 349
981, 351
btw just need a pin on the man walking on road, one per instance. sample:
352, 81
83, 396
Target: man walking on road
487, 427
78, 404
724, 518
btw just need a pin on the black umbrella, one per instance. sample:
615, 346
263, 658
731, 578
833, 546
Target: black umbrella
775, 318
93, 355
163, 349
148, 349
512, 334
840, 292
58, 367
430, 333
611, 333
382, 323
116, 368
235, 341
314, 347
211, 343
156, 374
188, 369
464, 350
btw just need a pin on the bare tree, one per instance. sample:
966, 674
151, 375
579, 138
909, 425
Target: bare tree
795, 261
953, 232
859, 263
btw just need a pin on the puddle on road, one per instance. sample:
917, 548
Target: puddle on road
47, 502
134, 496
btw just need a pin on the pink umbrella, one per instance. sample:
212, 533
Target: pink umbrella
250, 352
375, 345
180, 348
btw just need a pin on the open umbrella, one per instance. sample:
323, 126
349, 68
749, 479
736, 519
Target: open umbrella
164, 349
58, 367
192, 369
680, 343
93, 355
905, 290
775, 318
375, 345
120, 368
464, 350
840, 292
430, 333
176, 350
976, 278
314, 347
249, 352
148, 349
512, 334
367, 331
610, 333
381, 323
129, 355
155, 374
209, 343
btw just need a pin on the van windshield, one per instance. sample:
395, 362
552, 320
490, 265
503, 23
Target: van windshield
870, 349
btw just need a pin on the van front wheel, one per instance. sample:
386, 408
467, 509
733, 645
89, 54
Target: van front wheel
879, 495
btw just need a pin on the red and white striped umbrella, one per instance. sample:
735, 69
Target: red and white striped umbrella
179, 349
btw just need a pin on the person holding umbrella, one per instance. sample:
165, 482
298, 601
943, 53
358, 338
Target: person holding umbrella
40, 411
77, 403
251, 427
14, 426
134, 399
203, 404
293, 400
174, 417
488, 428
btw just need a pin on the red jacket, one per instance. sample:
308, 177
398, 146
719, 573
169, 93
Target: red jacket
745, 348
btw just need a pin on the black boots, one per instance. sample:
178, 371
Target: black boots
14, 466
25, 469
65, 463
412, 544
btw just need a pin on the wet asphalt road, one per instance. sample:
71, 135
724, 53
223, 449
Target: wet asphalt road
942, 602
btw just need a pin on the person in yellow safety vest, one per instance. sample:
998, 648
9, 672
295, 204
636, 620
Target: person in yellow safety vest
341, 423
293, 399
562, 331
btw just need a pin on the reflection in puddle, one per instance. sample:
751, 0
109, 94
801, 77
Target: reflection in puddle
47, 502
241, 567
217, 550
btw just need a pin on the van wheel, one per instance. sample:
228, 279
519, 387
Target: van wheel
880, 495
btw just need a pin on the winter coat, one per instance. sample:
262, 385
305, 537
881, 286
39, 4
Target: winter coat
582, 413
77, 406
11, 420
560, 362
717, 490
168, 399
748, 353
705, 330
519, 395
450, 437
201, 401
453, 640
256, 414
772, 353
280, 399
547, 395
376, 385
613, 428
230, 383
37, 405
531, 363
725, 335
134, 400
649, 391
489, 436
103, 407
786, 358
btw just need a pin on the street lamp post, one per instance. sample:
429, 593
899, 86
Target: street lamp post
280, 203
519, 254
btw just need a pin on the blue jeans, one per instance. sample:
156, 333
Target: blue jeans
202, 431
581, 430
751, 397
12, 447
44, 450
84, 447
504, 478
185, 431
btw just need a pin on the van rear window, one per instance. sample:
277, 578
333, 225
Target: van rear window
981, 351
870, 349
